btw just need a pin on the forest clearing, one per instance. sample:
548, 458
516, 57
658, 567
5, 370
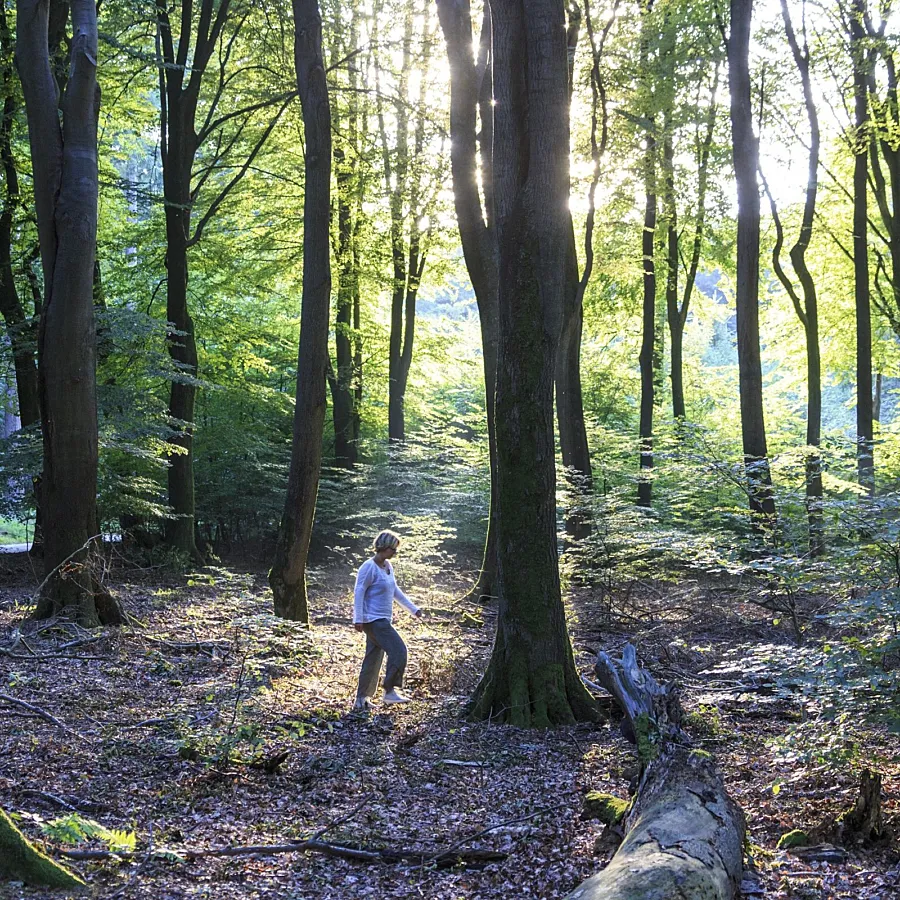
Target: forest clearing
579, 322
167, 729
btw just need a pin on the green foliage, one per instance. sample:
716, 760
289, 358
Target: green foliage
75, 829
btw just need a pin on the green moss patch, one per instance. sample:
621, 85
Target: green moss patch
795, 838
607, 808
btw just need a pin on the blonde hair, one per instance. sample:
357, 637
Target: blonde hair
386, 539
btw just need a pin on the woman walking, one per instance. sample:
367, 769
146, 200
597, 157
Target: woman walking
373, 608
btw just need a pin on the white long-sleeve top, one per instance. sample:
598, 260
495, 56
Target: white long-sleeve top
375, 592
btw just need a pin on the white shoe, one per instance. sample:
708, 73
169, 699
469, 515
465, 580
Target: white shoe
362, 704
392, 697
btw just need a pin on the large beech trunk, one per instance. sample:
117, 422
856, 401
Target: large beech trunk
684, 835
746, 162
531, 678
288, 574
64, 162
471, 162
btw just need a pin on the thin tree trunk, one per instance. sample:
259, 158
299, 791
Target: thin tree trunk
807, 308
342, 387
573, 442
864, 426
471, 160
531, 678
648, 342
19, 327
876, 403
64, 163
677, 315
746, 162
287, 577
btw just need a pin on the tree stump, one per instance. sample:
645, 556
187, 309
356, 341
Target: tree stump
20, 860
865, 821
684, 835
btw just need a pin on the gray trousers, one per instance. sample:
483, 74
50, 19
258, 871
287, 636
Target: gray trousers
381, 638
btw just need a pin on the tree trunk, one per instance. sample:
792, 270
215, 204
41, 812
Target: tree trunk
807, 307
342, 387
648, 342
684, 835
64, 162
19, 328
531, 678
746, 162
181, 343
677, 315
471, 161
865, 461
573, 442
288, 574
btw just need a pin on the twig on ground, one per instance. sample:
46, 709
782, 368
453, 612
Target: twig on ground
451, 850
13, 701
311, 846
51, 798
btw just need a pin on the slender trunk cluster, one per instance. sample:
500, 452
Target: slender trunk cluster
345, 378
404, 178
185, 62
746, 162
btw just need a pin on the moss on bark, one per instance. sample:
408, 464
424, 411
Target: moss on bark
20, 860
606, 808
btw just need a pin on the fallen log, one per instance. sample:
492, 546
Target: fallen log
684, 835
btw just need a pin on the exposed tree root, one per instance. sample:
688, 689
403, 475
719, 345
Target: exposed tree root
538, 695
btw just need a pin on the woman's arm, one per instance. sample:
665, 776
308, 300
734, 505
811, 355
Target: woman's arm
404, 601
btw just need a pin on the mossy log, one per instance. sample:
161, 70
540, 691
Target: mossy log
684, 835
20, 860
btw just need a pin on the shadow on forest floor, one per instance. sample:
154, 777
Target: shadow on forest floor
171, 725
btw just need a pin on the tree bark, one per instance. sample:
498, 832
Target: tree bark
19, 327
287, 577
746, 162
531, 678
648, 341
865, 458
807, 307
573, 442
471, 100
64, 163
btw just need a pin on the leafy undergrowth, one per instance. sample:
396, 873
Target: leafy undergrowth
210, 723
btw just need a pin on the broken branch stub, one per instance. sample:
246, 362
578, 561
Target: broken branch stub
684, 835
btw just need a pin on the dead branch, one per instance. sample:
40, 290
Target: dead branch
13, 701
340, 851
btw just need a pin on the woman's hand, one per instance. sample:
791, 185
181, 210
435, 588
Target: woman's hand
358, 626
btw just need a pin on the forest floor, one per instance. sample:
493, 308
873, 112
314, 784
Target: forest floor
167, 728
